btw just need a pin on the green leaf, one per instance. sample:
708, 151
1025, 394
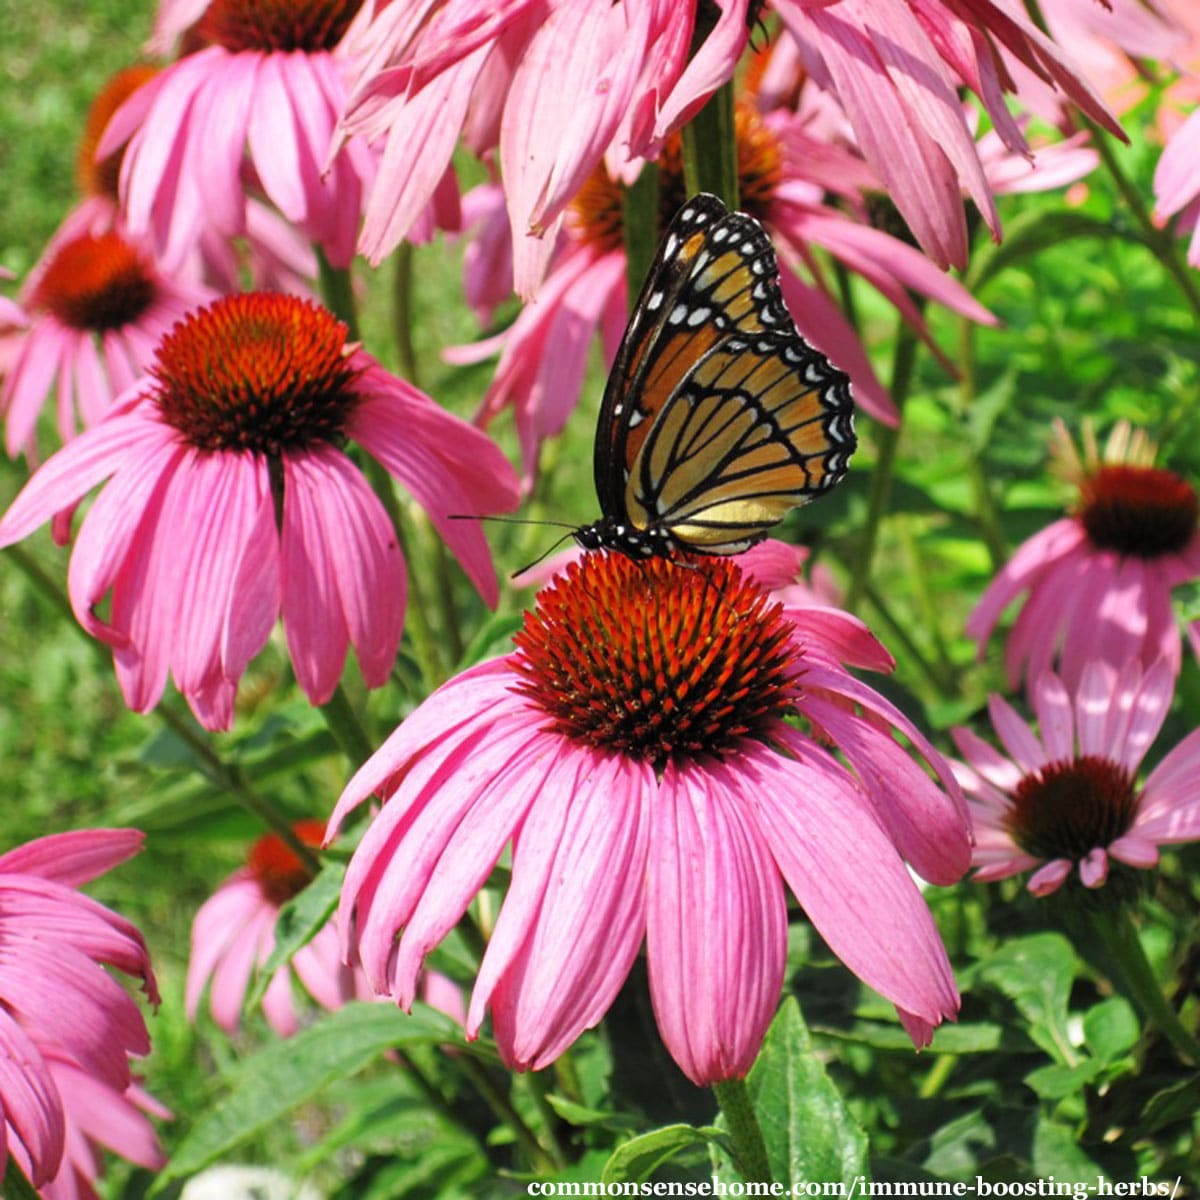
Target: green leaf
1035, 973
808, 1130
1110, 1028
299, 921
287, 1073
14, 1185
581, 1114
1056, 1082
638, 1158
1178, 1103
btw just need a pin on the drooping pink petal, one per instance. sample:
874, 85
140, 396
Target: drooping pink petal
714, 984
850, 881
575, 913
364, 553
32, 1104
1056, 719
547, 147
448, 466
71, 473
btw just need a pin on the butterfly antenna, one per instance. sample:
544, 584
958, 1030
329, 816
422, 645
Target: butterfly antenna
511, 521
545, 553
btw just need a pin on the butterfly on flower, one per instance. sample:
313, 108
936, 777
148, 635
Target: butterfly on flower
718, 417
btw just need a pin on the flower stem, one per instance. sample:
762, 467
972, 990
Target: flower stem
504, 1111
639, 223
749, 1149
986, 515
1162, 243
904, 359
226, 774
337, 291
710, 145
402, 287
346, 728
1117, 932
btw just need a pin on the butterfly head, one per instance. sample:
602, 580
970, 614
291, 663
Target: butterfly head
638, 544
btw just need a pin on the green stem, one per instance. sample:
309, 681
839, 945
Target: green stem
1118, 933
337, 291
710, 147
904, 360
639, 222
346, 728
504, 1111
537, 1083
749, 1149
1162, 243
931, 1085
223, 773
402, 288
927, 607
986, 515
941, 681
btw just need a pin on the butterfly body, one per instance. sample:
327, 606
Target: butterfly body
718, 417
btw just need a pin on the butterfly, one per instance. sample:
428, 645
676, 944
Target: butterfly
718, 417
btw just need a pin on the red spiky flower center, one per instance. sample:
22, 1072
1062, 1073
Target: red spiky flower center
596, 212
256, 371
99, 178
1068, 808
1141, 511
656, 660
269, 25
96, 282
276, 866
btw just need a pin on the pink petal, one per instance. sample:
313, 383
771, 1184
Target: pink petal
548, 147
1016, 737
1055, 718
717, 924
850, 881
448, 466
1093, 868
76, 469
1021, 571
1050, 877
32, 1105
73, 858
999, 771
335, 506
575, 913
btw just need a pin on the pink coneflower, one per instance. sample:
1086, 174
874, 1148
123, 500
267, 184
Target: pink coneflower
1100, 580
782, 182
97, 306
234, 933
639, 752
231, 501
96, 301
59, 1008
1071, 798
555, 86
259, 100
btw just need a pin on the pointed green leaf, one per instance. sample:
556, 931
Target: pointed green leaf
640, 1157
809, 1132
287, 1073
1035, 973
299, 921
